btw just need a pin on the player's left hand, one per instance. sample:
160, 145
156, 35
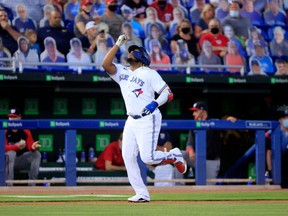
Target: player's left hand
150, 108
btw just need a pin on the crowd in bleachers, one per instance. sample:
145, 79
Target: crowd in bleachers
247, 36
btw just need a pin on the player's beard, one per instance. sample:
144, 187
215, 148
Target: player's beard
132, 61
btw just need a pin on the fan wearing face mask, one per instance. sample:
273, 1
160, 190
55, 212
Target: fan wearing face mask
215, 36
184, 31
112, 18
239, 23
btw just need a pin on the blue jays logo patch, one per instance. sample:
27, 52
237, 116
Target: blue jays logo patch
137, 92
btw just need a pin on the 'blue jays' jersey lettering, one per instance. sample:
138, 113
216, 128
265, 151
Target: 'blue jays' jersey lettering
123, 77
137, 80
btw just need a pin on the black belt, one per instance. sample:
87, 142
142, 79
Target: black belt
136, 116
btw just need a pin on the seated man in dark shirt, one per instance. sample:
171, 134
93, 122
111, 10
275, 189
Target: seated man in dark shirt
61, 35
8, 33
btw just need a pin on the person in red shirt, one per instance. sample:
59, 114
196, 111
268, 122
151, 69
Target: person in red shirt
164, 11
111, 158
21, 151
215, 36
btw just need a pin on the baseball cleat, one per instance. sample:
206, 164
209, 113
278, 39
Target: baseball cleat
180, 163
138, 199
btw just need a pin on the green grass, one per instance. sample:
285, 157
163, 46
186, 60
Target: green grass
197, 207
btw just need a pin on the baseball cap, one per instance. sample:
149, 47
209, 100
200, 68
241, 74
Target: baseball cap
15, 112
86, 2
255, 62
111, 1
90, 24
164, 137
126, 9
199, 106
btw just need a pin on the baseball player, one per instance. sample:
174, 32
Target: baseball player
138, 84
21, 151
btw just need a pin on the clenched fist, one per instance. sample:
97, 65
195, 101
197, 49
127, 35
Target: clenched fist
121, 40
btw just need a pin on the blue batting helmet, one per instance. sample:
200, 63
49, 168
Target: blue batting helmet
141, 55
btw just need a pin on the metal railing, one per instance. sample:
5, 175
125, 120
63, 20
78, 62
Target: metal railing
187, 68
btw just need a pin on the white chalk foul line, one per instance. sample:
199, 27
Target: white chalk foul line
63, 196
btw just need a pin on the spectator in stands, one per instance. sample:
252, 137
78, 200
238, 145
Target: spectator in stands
56, 5
4, 53
164, 11
112, 19
98, 9
89, 41
78, 55
48, 8
104, 33
102, 50
178, 16
215, 36
46, 14
157, 56
266, 62
260, 5
25, 54
222, 10
127, 14
56, 31
274, 15
234, 58
206, 15
71, 9
230, 34
177, 3
138, 9
51, 54
278, 45
111, 158
255, 37
182, 56
255, 68
34, 8
239, 23
21, 151
196, 10
32, 36
132, 39
164, 171
155, 33
208, 57
281, 67
184, 31
251, 13
82, 18
22, 22
152, 18
8, 33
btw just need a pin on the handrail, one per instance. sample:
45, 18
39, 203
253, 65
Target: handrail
188, 67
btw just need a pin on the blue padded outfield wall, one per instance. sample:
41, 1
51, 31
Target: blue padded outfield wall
70, 126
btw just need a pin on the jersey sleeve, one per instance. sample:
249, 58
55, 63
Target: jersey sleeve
117, 75
157, 83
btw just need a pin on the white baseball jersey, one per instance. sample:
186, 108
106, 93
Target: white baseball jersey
138, 87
